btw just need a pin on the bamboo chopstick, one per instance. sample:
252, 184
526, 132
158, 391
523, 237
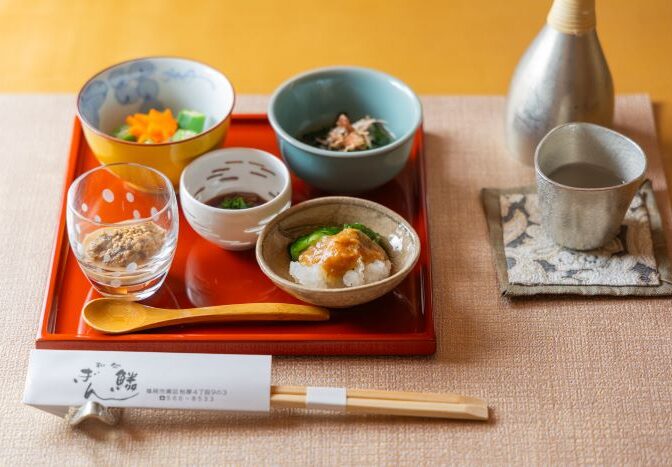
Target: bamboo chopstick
411, 404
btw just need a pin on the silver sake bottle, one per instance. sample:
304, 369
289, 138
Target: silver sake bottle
562, 77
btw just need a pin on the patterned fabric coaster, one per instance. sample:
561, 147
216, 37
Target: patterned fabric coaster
529, 262
533, 258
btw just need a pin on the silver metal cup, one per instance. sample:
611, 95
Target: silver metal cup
586, 218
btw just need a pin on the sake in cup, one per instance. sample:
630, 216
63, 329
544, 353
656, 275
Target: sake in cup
587, 176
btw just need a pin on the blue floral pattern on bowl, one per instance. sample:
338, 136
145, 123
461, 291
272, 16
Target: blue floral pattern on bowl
173, 74
153, 83
132, 83
92, 100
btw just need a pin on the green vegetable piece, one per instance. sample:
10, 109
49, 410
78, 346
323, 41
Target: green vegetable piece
375, 236
181, 134
123, 133
301, 244
379, 135
191, 120
237, 202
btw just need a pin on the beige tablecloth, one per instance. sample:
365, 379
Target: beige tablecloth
568, 380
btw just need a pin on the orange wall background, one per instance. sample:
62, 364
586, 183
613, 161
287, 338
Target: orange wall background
438, 47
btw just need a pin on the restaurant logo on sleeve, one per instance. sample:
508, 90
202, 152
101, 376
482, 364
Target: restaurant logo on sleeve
108, 382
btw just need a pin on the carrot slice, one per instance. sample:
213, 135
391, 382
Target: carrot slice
152, 127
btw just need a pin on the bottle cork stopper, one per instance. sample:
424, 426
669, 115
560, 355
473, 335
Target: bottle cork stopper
572, 16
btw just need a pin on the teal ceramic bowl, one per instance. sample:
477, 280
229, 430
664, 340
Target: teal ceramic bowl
313, 100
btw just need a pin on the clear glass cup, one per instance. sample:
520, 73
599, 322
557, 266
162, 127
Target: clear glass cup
122, 224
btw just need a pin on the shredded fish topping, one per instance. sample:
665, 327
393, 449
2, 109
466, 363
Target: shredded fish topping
347, 136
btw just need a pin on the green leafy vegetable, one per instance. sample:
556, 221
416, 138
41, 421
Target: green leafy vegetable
236, 202
301, 244
379, 135
123, 133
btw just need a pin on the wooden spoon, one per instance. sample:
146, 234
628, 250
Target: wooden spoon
118, 316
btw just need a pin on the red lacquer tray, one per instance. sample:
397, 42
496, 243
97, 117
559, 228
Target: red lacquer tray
201, 274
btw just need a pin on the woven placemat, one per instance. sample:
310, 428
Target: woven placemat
569, 379
528, 262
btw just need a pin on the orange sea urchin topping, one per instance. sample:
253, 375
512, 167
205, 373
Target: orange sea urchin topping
339, 253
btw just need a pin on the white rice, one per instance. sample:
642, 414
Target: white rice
315, 276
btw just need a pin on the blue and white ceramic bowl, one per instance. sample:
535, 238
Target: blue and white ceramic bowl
313, 100
154, 82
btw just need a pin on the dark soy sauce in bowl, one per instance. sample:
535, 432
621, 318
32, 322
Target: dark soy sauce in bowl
585, 175
236, 200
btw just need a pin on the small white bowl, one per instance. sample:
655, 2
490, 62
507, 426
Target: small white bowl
234, 170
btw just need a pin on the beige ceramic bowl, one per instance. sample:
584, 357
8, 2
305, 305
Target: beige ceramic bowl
400, 241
